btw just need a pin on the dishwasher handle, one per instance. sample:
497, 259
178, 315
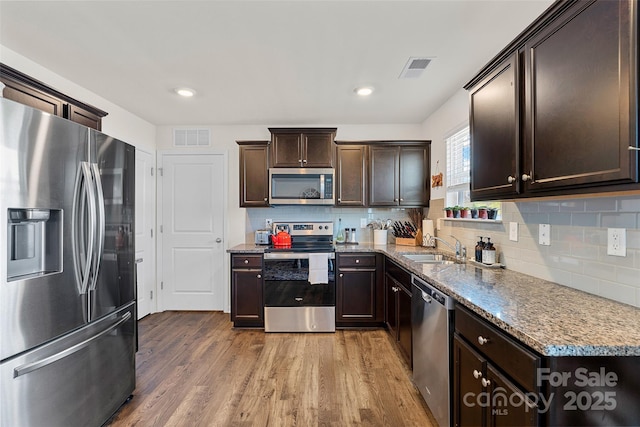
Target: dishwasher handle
430, 294
426, 297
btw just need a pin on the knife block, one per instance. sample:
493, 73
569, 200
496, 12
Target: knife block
416, 241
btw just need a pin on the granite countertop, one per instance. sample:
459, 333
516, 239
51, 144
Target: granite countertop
552, 319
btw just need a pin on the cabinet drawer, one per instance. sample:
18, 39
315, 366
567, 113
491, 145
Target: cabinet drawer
504, 351
246, 261
356, 260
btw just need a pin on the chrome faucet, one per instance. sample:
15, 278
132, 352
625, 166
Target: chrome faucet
459, 249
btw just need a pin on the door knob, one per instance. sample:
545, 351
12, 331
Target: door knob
218, 240
482, 340
485, 382
511, 179
477, 374
526, 177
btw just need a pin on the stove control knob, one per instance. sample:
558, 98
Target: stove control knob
326, 227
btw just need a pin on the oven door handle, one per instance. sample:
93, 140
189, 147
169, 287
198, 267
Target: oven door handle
294, 255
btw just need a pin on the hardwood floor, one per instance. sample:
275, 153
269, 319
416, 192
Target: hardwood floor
194, 369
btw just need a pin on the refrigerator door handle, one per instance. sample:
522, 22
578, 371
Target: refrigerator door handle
100, 227
30, 367
83, 235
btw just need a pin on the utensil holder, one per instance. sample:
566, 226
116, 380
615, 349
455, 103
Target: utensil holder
380, 237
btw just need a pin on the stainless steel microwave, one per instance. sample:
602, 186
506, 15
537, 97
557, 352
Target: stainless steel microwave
301, 186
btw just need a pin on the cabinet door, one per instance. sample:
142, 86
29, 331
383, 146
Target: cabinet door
508, 406
384, 167
317, 150
82, 116
580, 100
356, 295
246, 297
404, 324
495, 135
286, 150
414, 176
468, 371
351, 175
254, 176
31, 97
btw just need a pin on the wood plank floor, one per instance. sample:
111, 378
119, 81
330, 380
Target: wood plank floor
194, 369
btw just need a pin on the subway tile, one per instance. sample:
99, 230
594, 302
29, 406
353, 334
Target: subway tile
606, 204
565, 263
572, 206
585, 283
584, 219
617, 292
560, 218
628, 276
633, 239
623, 220
571, 234
551, 206
536, 218
595, 236
599, 270
630, 204
527, 207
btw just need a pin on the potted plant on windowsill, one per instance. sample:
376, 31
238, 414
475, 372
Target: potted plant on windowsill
474, 213
456, 211
482, 212
448, 212
492, 213
465, 212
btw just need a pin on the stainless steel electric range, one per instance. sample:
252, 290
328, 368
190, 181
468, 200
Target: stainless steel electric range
299, 281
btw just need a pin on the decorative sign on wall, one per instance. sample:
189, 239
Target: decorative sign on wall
436, 180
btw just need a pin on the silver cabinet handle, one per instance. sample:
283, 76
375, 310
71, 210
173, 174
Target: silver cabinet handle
485, 382
511, 179
218, 240
477, 374
304, 161
401, 199
526, 177
395, 200
266, 198
339, 199
357, 261
298, 299
341, 275
259, 276
246, 261
482, 340
139, 260
634, 148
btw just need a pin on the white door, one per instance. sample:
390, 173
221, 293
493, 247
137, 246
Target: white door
145, 230
192, 231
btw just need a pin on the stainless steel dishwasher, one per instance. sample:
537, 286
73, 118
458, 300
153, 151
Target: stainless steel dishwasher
431, 317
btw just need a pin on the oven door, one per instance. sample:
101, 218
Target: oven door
291, 303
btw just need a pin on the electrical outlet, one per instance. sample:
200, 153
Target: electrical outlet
617, 241
544, 234
513, 231
268, 223
363, 222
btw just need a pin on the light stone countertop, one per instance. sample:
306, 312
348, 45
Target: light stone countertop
552, 319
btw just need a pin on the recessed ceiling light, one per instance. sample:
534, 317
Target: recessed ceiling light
185, 91
364, 91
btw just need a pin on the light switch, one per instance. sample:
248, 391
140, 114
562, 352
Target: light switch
544, 234
513, 231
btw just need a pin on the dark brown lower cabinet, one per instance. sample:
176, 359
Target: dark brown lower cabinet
246, 291
359, 293
398, 308
485, 397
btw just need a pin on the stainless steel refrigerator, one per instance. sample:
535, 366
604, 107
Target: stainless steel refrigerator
67, 275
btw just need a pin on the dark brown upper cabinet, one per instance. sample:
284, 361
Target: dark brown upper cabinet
495, 133
351, 175
555, 113
399, 174
580, 97
254, 174
302, 147
23, 89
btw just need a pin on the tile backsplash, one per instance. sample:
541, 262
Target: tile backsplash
577, 256
350, 218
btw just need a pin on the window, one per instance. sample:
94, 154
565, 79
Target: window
458, 168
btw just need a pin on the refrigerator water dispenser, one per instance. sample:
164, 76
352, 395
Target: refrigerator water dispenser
34, 243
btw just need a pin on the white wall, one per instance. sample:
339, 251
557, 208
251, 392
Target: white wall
119, 123
577, 256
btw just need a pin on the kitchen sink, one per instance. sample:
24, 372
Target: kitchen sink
428, 258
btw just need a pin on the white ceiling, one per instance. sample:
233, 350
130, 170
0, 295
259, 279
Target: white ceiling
266, 62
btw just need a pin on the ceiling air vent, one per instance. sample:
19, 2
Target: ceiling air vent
414, 68
191, 138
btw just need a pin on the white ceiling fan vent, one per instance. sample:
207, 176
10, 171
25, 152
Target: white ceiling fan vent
191, 137
414, 68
